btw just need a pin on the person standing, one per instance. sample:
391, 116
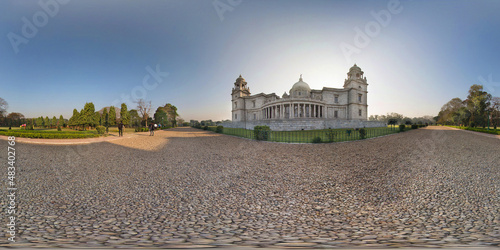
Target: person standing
150, 127
120, 129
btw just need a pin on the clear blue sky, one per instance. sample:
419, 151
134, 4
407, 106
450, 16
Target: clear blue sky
98, 51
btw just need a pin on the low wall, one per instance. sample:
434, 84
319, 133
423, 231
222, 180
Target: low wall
306, 124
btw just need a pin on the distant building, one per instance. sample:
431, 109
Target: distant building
303, 107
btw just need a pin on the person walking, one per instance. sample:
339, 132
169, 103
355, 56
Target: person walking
120, 129
151, 131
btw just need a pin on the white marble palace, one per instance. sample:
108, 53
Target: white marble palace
303, 107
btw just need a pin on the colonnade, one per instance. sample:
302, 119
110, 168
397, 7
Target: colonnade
294, 110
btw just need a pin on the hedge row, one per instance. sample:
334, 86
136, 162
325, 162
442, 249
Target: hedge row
483, 130
53, 135
24, 131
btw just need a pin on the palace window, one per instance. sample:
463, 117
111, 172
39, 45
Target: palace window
360, 96
253, 103
254, 116
235, 105
235, 116
336, 114
336, 99
360, 112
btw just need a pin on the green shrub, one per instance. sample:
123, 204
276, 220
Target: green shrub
262, 132
331, 134
362, 133
205, 127
415, 126
101, 130
219, 129
316, 139
348, 132
59, 128
402, 128
141, 129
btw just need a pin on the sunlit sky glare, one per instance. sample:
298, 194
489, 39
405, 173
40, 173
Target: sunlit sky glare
98, 51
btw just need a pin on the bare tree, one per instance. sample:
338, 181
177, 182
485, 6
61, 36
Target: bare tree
3, 106
144, 108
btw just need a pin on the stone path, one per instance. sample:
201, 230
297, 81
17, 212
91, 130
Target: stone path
186, 188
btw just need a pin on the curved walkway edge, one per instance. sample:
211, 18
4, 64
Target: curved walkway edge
477, 133
71, 141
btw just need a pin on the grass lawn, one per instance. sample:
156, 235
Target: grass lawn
307, 136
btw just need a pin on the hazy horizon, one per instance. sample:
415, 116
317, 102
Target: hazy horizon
416, 55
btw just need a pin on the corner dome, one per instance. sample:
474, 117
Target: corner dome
355, 67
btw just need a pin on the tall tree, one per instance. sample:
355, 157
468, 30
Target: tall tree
61, 122
135, 119
15, 118
105, 117
54, 121
87, 116
495, 111
144, 108
112, 116
161, 117
172, 113
124, 115
47, 122
97, 119
74, 120
478, 101
449, 111
39, 122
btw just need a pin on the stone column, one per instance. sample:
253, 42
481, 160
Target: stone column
303, 110
291, 111
314, 111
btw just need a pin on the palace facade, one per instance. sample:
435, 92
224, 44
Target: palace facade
303, 107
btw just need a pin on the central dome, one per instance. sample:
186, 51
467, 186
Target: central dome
300, 86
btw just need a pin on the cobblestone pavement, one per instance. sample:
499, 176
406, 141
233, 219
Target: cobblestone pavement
182, 188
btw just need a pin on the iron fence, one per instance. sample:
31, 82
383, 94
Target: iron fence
310, 136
